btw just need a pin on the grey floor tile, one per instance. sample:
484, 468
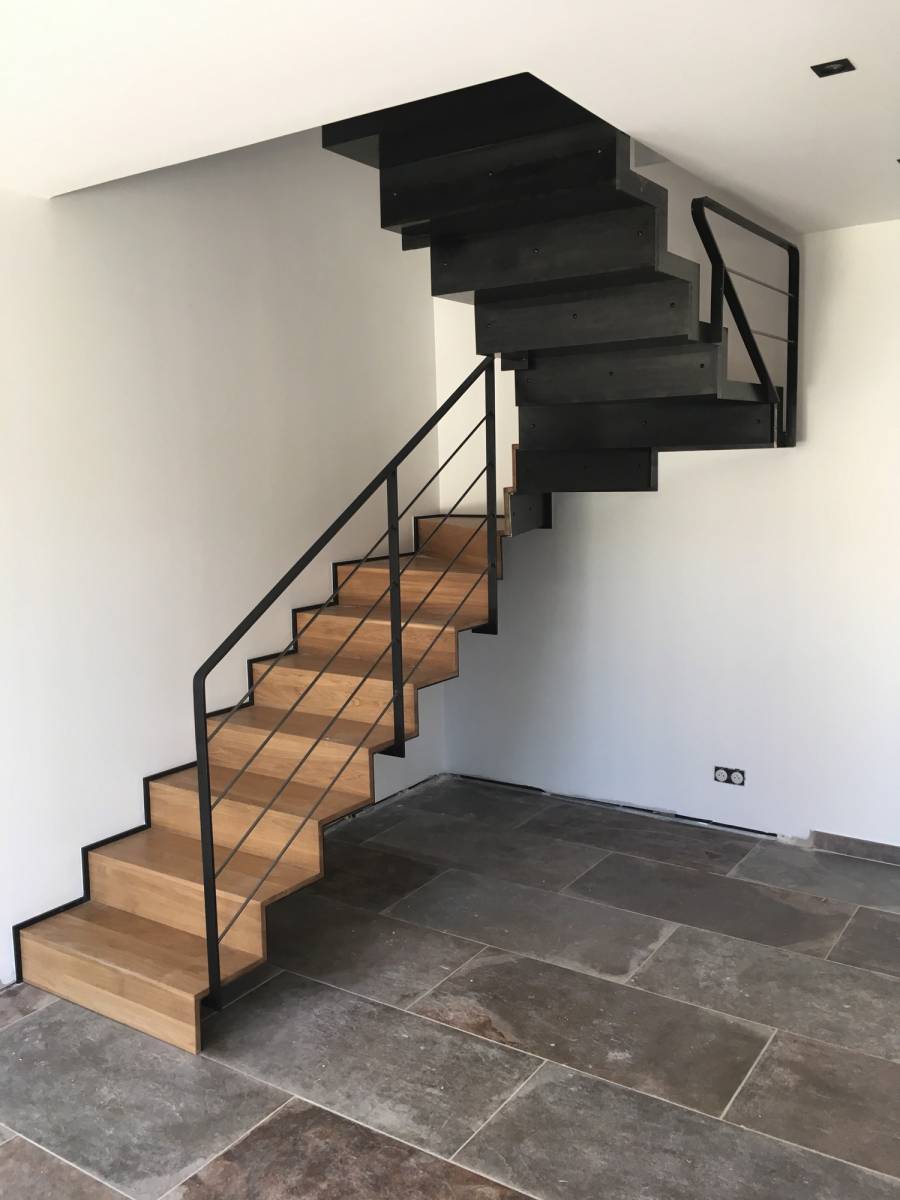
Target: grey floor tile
673, 1050
511, 854
676, 842
871, 940
828, 1099
5, 1134
28, 1173
396, 1072
131, 1110
560, 929
734, 906
374, 955
369, 878
305, 1152
367, 822
19, 1000
856, 847
807, 996
567, 1136
855, 880
492, 805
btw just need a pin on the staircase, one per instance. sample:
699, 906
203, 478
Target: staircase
532, 212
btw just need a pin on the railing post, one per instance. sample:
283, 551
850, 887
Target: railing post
787, 433
490, 483
393, 508
207, 847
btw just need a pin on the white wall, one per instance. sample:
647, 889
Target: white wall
199, 369
745, 615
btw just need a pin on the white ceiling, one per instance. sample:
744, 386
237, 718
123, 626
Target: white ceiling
98, 89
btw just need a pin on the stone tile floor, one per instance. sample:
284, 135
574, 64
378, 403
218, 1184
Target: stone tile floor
498, 994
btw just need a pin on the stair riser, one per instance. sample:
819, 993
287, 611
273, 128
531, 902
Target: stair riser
178, 810
233, 747
593, 245
597, 471
330, 694
369, 583
438, 187
528, 511
152, 1009
173, 901
642, 312
328, 633
663, 424
620, 375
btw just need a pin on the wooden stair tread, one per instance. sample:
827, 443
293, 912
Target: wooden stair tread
311, 726
177, 857
137, 946
419, 564
435, 667
431, 616
257, 790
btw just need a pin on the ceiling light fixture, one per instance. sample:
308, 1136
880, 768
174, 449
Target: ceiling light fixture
837, 66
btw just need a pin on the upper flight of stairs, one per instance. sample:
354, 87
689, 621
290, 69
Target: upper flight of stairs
530, 210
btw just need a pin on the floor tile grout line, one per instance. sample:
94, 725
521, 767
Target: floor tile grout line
26, 1016
512, 1095
846, 926
418, 1000
626, 980
442, 871
407, 1012
731, 874
771, 1038
81, 1170
452, 1161
563, 887
290, 1097
393, 1137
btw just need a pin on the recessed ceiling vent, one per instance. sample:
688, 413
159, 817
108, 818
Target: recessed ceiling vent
837, 66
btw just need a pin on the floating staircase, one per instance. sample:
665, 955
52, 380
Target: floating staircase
530, 210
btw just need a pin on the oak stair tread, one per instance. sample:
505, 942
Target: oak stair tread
435, 667
298, 799
310, 726
137, 946
427, 616
177, 857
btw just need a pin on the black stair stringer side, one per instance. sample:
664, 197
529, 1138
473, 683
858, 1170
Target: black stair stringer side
532, 212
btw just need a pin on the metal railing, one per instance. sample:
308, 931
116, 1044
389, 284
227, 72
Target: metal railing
400, 675
723, 289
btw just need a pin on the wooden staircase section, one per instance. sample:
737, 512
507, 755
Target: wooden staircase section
135, 949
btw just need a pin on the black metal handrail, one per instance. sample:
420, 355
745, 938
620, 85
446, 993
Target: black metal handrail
723, 289
387, 478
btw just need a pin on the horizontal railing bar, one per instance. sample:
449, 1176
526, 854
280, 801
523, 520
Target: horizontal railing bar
327, 603
322, 670
309, 815
762, 282
335, 527
775, 336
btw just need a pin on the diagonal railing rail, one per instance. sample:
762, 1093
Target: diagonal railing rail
723, 290
398, 564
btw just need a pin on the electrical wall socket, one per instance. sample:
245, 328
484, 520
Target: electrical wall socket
732, 775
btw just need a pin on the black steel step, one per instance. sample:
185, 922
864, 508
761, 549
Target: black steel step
595, 376
509, 171
631, 470
582, 247
663, 311
702, 424
514, 107
529, 511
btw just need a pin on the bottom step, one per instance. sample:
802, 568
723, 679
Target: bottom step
586, 471
136, 971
